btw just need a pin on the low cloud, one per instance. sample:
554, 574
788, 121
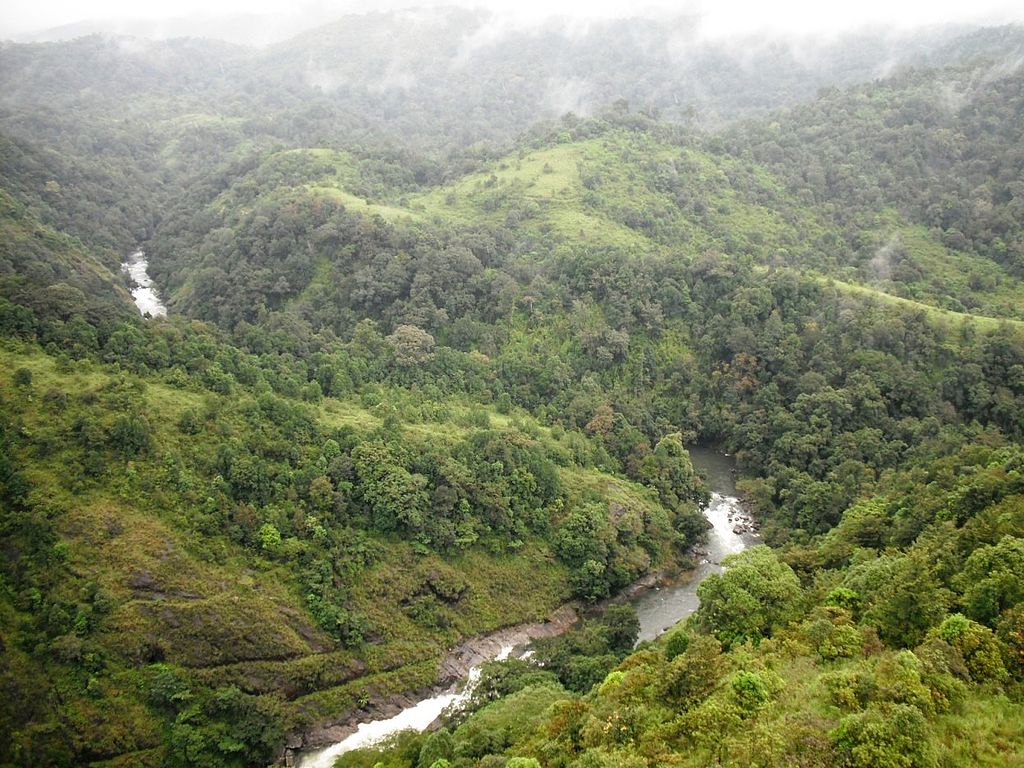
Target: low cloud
261, 21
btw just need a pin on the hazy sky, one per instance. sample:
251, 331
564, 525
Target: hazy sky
720, 17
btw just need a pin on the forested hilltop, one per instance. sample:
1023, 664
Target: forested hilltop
413, 388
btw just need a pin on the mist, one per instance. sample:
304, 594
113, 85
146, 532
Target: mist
262, 22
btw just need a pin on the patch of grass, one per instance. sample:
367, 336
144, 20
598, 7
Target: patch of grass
359, 205
986, 733
936, 315
956, 280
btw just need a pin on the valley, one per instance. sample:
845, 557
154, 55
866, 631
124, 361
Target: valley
311, 374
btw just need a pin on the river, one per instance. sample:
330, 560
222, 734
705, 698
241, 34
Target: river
664, 606
144, 292
658, 608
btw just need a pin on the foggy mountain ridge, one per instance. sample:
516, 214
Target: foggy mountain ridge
448, 60
413, 76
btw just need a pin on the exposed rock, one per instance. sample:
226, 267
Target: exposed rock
142, 580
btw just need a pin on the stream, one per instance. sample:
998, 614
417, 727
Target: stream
658, 609
731, 531
144, 292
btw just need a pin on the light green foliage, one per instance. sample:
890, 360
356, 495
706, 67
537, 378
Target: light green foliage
405, 397
893, 736
832, 634
977, 646
397, 498
1011, 632
752, 690
439, 747
274, 528
270, 538
503, 723
397, 751
823, 690
756, 593
904, 596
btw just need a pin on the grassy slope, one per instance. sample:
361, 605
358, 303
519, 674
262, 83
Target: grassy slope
233, 618
937, 315
633, 192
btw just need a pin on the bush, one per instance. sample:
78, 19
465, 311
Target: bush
887, 736
131, 436
756, 593
977, 645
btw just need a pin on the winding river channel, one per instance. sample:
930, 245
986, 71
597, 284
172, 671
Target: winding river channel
663, 606
658, 608
144, 292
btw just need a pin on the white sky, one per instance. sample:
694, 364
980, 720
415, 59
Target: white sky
720, 17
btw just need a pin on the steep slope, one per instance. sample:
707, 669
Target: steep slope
620, 184
53, 274
941, 151
448, 77
893, 640
185, 554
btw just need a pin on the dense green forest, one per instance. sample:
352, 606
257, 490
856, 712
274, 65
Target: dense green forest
430, 369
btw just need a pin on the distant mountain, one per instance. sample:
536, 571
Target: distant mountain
237, 28
452, 77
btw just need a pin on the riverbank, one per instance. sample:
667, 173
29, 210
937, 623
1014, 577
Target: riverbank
454, 668
662, 599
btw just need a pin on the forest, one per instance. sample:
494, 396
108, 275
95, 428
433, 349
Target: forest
436, 348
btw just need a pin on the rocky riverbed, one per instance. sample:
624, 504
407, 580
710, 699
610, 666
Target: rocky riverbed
420, 708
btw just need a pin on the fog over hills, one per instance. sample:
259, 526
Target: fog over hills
452, 76
259, 22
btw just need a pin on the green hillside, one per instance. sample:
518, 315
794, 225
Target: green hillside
218, 538
404, 397
622, 183
836, 653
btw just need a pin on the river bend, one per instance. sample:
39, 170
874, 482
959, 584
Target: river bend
658, 608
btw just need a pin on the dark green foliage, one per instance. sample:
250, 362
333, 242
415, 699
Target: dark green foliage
130, 436
668, 469
397, 499
437, 746
824, 691
993, 579
581, 658
693, 674
23, 378
226, 729
398, 751
189, 423
621, 627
